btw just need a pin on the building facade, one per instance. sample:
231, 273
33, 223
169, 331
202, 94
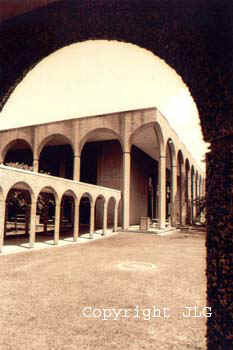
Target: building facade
102, 171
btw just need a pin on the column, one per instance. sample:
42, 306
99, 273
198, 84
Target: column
105, 217
92, 218
2, 222
192, 197
162, 191
126, 190
32, 224
182, 204
173, 195
188, 197
219, 243
35, 165
57, 222
76, 174
115, 217
76, 219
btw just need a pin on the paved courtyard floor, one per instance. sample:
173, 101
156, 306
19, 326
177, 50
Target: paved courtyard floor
127, 291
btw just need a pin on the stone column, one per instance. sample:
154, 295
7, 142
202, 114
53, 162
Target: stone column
219, 204
173, 195
182, 204
126, 190
57, 222
76, 219
32, 224
35, 165
115, 225
162, 191
188, 197
2, 222
105, 216
92, 218
76, 173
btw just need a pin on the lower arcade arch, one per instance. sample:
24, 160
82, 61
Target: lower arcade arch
67, 214
85, 204
112, 207
18, 214
46, 213
100, 204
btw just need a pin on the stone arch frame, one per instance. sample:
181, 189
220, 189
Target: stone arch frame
57, 199
7, 147
158, 132
71, 193
46, 139
29, 214
213, 80
92, 208
85, 138
160, 141
101, 215
114, 201
44, 142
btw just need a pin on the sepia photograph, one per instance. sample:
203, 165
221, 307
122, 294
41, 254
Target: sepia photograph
116, 175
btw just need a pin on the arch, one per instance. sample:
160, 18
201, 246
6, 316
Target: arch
107, 131
47, 204
23, 186
172, 149
158, 132
85, 205
71, 193
49, 189
18, 209
209, 95
22, 151
100, 212
67, 212
101, 151
111, 207
56, 156
49, 138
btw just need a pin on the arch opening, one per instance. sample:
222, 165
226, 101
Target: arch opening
85, 214
56, 157
46, 214
18, 154
145, 152
101, 159
18, 214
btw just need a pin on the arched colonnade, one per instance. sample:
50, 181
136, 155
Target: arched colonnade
32, 185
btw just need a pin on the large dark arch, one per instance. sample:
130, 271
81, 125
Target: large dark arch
177, 34
187, 37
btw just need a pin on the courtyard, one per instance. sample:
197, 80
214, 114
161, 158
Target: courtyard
130, 290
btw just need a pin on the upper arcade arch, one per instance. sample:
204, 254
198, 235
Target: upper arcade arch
99, 134
146, 136
18, 151
56, 156
53, 139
